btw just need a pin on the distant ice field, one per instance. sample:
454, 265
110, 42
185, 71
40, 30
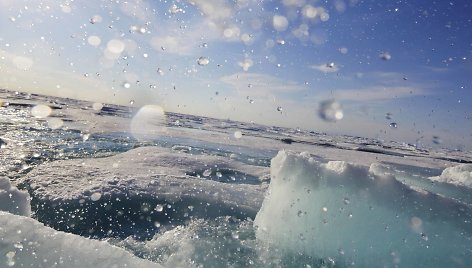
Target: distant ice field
122, 186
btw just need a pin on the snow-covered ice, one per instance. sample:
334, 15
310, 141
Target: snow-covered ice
25, 242
13, 200
460, 175
360, 215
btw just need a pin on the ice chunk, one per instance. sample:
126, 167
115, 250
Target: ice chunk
460, 175
12, 199
383, 222
34, 245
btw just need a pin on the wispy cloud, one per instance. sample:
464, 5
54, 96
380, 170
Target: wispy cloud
325, 68
260, 84
379, 93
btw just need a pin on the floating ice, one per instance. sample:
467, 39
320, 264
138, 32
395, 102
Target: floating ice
12, 199
460, 175
28, 243
41, 111
384, 222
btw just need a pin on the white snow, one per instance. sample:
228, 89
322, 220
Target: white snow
12, 199
460, 175
359, 214
24, 242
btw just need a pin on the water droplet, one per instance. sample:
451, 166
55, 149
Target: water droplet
437, 140
202, 61
95, 19
330, 65
347, 201
85, 136
424, 237
235, 234
393, 125
157, 224
280, 41
341, 251
251, 101
279, 109
385, 56
131, 102
325, 209
330, 111
41, 111
126, 85
238, 134
95, 196
10, 258
219, 174
159, 208
160, 71
207, 172
388, 116
300, 213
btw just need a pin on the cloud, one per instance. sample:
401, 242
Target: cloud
260, 84
325, 68
379, 93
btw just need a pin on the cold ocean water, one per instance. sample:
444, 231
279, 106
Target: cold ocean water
86, 184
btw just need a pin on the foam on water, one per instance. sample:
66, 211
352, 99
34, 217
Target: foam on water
360, 215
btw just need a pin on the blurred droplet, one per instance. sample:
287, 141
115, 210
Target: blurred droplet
330, 65
388, 116
126, 85
393, 125
202, 61
219, 174
55, 123
279, 109
238, 134
330, 111
95, 196
131, 102
41, 111
159, 208
97, 106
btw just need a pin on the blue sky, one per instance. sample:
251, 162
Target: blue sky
261, 55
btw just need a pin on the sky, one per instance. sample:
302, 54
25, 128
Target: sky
390, 70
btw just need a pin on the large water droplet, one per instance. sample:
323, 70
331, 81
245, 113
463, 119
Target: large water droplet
393, 125
41, 111
330, 111
202, 61
385, 56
